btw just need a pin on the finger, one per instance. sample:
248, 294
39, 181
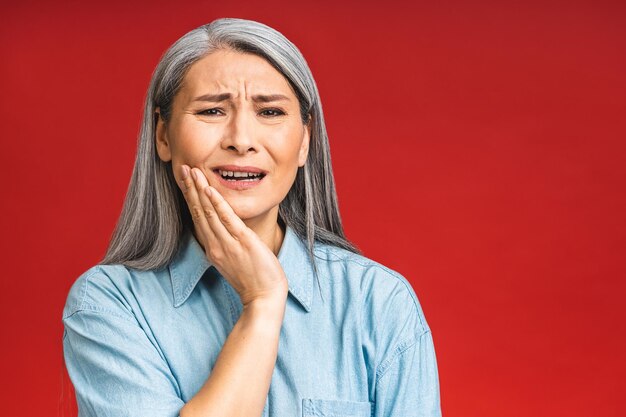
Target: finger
213, 219
196, 210
233, 223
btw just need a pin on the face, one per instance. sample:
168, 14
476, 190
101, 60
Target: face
236, 111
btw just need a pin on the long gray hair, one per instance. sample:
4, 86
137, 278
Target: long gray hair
155, 214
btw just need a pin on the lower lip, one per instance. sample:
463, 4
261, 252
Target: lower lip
238, 185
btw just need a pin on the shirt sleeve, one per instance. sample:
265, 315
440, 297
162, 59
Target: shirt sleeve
115, 369
406, 377
409, 384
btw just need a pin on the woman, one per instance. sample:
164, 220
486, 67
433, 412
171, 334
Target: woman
204, 304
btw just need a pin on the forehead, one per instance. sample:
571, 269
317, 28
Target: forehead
235, 72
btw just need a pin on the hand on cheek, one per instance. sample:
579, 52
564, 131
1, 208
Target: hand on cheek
236, 251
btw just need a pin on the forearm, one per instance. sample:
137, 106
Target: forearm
240, 380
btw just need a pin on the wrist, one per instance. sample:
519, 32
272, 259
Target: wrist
269, 308
268, 298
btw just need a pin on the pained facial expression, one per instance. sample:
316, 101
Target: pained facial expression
243, 129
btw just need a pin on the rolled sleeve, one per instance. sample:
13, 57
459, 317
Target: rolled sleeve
409, 384
115, 369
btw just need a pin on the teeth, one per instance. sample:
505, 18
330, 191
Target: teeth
238, 174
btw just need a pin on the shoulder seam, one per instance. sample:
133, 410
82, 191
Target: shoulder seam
366, 262
83, 305
85, 277
98, 310
399, 351
407, 286
411, 292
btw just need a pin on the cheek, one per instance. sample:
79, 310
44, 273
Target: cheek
194, 142
286, 159
286, 146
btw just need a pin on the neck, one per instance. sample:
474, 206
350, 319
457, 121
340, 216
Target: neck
268, 230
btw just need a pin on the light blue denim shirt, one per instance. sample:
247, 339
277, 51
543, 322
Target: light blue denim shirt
142, 343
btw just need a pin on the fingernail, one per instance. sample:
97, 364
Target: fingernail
195, 174
185, 171
207, 190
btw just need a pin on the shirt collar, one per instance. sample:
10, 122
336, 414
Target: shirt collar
190, 264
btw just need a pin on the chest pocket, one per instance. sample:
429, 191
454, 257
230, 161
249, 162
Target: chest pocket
335, 408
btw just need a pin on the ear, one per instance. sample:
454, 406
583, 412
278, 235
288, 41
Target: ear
304, 147
162, 140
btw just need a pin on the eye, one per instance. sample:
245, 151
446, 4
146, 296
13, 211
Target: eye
209, 112
272, 112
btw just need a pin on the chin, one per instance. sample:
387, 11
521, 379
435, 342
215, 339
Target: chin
246, 215
246, 211
252, 209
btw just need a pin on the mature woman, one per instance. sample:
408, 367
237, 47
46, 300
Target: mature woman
205, 303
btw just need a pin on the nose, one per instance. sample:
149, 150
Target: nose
239, 135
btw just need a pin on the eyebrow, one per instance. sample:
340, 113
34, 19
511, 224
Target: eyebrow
259, 98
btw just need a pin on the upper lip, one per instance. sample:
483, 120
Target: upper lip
237, 168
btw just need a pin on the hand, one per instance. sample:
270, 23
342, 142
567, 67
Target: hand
236, 250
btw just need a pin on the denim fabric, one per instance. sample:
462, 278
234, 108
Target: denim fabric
142, 343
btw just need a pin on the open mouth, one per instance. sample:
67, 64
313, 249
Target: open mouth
239, 175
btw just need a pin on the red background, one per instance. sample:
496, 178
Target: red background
478, 149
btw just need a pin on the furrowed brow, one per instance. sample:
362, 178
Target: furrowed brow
259, 98
213, 98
